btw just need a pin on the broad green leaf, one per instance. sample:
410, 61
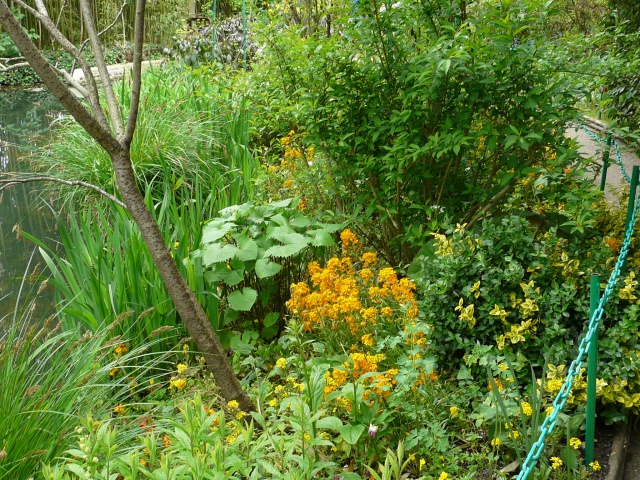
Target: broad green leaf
285, 251
300, 221
322, 238
216, 253
213, 231
266, 268
330, 423
290, 238
248, 248
351, 433
243, 300
270, 319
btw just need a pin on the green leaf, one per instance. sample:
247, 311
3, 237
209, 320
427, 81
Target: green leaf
270, 319
290, 238
351, 433
214, 231
266, 268
322, 238
300, 221
215, 253
284, 251
329, 423
243, 300
248, 248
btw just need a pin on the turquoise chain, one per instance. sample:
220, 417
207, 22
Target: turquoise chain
615, 145
558, 404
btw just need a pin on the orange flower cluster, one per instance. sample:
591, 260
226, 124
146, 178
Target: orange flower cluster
357, 365
340, 298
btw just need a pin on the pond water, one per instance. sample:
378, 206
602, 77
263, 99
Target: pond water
25, 121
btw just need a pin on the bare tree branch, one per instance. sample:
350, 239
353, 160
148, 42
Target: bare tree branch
72, 81
94, 98
8, 68
137, 73
4, 184
107, 86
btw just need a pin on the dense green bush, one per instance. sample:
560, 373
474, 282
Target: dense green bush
513, 290
420, 111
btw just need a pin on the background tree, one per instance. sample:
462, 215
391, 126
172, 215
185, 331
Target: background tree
106, 123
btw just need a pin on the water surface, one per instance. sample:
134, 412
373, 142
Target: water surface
25, 124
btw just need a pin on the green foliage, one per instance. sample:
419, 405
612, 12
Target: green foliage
513, 289
179, 133
251, 254
49, 379
420, 111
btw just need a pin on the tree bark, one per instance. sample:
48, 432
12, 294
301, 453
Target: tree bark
118, 148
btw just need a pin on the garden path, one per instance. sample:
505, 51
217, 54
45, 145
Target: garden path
592, 148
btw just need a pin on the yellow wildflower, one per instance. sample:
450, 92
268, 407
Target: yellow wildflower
178, 383
281, 363
575, 443
367, 340
595, 466
181, 368
348, 238
556, 462
119, 409
233, 405
526, 408
495, 442
121, 349
443, 476
549, 411
454, 411
422, 463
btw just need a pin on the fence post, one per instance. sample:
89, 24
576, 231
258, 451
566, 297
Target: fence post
592, 372
605, 163
632, 202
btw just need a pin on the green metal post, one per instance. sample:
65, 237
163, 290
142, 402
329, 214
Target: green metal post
632, 201
592, 372
605, 163
632, 195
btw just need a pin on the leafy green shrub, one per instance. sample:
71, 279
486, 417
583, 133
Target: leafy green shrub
512, 290
251, 254
420, 112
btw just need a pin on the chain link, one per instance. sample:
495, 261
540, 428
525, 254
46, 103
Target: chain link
558, 404
615, 144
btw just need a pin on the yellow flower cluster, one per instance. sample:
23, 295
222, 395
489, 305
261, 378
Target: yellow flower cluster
339, 298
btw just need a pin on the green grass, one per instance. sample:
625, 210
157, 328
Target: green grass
50, 379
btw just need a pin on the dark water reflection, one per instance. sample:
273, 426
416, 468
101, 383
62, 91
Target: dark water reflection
25, 121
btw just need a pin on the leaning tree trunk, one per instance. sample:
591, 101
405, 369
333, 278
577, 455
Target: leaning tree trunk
118, 145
